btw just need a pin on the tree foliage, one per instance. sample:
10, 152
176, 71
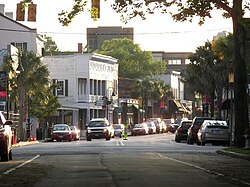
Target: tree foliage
33, 82
151, 89
207, 72
133, 62
50, 46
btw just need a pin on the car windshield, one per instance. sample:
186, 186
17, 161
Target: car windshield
138, 126
60, 128
97, 124
117, 127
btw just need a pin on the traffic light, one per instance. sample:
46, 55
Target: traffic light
32, 12
20, 12
95, 4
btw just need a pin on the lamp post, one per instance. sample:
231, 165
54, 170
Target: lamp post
231, 125
18, 70
108, 100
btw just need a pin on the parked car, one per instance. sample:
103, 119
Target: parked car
158, 124
61, 132
176, 124
139, 129
213, 131
118, 130
6, 137
75, 133
192, 131
167, 123
99, 128
151, 127
181, 132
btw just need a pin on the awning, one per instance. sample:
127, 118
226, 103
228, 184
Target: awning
181, 107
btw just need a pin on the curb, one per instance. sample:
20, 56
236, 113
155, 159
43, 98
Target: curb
232, 154
19, 144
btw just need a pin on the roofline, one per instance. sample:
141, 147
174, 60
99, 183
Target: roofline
6, 17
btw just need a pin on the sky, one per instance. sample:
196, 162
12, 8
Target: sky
157, 33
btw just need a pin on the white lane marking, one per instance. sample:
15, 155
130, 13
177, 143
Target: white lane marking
21, 165
204, 169
120, 143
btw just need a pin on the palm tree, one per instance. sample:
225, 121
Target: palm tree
32, 82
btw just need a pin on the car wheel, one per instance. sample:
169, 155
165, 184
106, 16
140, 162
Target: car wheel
10, 155
5, 153
203, 142
177, 140
198, 142
189, 141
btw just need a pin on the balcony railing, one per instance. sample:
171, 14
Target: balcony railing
89, 98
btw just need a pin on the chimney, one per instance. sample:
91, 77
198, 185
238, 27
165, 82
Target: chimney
9, 14
2, 8
79, 48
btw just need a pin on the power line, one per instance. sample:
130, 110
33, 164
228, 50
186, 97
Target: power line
140, 33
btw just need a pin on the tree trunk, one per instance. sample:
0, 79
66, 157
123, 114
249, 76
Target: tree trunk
23, 113
240, 76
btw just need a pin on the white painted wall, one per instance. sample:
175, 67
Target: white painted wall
13, 31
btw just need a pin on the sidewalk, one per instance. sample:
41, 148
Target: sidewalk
233, 154
25, 143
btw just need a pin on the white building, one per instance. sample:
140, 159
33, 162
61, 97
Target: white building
172, 78
82, 81
17, 34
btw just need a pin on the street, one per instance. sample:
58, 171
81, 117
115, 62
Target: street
152, 160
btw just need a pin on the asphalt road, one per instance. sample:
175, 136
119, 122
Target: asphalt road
153, 160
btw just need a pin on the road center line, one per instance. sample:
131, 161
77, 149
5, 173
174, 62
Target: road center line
21, 165
203, 169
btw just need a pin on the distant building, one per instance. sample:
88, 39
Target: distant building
96, 36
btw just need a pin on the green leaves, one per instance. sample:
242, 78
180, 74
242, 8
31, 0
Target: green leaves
133, 62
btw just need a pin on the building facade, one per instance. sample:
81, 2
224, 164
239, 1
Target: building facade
96, 36
85, 82
19, 35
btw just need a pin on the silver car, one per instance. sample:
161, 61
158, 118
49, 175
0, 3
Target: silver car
213, 131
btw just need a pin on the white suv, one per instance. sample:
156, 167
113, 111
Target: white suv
99, 128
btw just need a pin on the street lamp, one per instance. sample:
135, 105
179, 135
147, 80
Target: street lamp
18, 70
108, 100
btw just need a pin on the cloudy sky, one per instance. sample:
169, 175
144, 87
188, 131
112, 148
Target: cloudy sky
157, 33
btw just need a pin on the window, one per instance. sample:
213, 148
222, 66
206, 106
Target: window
187, 61
20, 45
60, 88
174, 62
82, 85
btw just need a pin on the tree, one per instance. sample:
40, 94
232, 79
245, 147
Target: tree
151, 89
32, 84
50, 46
133, 62
207, 73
